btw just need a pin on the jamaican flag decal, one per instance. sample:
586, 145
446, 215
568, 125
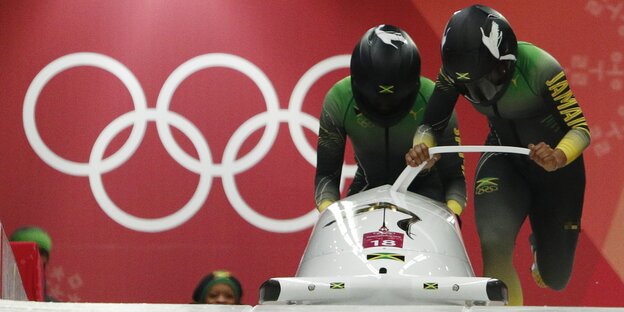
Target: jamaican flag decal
386, 256
337, 285
430, 286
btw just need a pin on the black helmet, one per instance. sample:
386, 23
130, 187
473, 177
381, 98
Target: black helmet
385, 74
479, 51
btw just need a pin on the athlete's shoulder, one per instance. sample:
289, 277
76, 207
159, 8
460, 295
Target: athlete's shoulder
338, 99
426, 83
426, 87
530, 55
340, 93
536, 65
342, 88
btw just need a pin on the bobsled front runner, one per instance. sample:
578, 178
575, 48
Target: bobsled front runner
388, 246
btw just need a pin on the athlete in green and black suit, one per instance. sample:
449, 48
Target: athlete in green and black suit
379, 108
526, 97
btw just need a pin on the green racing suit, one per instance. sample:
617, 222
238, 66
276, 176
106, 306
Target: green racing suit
380, 151
537, 106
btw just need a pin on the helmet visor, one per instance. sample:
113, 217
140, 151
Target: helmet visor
385, 106
490, 86
385, 111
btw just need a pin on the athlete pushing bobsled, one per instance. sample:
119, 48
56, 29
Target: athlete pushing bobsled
526, 97
378, 108
384, 244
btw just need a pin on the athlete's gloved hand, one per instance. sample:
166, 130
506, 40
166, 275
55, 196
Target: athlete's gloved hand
548, 158
323, 205
419, 154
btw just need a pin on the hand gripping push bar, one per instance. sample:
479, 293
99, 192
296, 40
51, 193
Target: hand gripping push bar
409, 173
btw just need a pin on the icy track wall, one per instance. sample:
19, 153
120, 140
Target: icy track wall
11, 283
157, 141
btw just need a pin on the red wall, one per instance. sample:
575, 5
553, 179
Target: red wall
148, 221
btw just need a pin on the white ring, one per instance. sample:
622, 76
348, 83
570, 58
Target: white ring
53, 69
233, 195
158, 224
206, 61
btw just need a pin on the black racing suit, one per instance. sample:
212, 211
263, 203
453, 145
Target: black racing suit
380, 152
537, 106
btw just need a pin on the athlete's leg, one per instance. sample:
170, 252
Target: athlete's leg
556, 221
501, 206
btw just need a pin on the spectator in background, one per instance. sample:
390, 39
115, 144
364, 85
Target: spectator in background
218, 287
44, 243
37, 235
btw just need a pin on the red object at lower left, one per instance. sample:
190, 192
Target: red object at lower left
30, 267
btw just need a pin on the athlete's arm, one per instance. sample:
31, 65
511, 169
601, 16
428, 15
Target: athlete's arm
557, 93
330, 154
441, 104
437, 115
578, 136
451, 168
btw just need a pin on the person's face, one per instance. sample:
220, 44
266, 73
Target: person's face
220, 294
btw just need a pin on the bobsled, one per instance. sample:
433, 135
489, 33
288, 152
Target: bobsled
388, 246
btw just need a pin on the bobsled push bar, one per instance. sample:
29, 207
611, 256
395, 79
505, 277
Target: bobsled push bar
409, 173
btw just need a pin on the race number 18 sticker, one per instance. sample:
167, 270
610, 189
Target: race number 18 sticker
383, 239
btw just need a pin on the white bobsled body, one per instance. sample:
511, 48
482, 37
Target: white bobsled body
353, 229
387, 246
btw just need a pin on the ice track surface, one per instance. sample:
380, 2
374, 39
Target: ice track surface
30, 306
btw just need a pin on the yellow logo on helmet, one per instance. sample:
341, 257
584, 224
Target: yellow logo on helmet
386, 89
463, 76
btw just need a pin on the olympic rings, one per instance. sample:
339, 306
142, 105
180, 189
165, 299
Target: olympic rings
164, 118
53, 69
140, 224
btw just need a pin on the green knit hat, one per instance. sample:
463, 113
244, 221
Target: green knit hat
214, 278
33, 234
